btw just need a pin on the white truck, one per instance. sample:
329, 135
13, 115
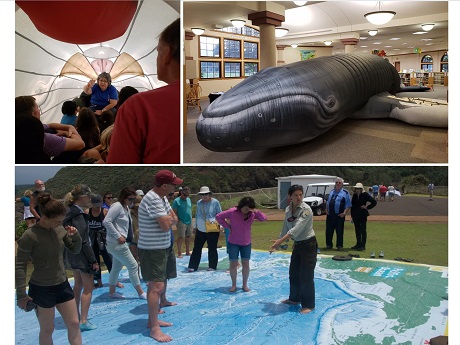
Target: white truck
316, 196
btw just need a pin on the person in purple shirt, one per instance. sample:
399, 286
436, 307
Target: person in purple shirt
239, 220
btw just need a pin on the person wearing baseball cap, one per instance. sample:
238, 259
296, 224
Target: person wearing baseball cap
167, 177
361, 202
156, 218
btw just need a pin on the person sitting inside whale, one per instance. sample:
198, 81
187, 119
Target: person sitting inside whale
104, 96
69, 113
64, 137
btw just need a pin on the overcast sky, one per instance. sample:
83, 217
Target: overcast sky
28, 174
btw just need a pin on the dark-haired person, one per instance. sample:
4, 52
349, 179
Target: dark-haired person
88, 128
29, 141
124, 94
107, 201
182, 206
239, 220
104, 96
298, 226
105, 120
98, 236
84, 263
65, 138
119, 226
49, 288
69, 113
147, 126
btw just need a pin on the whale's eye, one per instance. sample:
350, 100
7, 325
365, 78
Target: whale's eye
259, 115
247, 139
330, 101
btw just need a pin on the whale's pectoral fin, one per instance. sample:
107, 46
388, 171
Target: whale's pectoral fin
413, 111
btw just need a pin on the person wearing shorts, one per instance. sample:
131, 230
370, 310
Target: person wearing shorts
182, 206
156, 218
49, 288
239, 220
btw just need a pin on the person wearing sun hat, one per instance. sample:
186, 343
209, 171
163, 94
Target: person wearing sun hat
206, 210
361, 202
156, 218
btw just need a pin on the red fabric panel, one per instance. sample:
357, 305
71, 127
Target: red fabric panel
80, 22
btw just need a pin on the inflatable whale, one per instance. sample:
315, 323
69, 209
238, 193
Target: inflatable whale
297, 102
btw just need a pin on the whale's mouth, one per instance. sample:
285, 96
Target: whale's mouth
266, 124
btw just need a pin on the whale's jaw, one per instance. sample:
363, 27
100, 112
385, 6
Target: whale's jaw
263, 125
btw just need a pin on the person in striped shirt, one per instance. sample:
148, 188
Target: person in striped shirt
155, 220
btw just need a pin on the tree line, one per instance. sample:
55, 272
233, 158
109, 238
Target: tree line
223, 179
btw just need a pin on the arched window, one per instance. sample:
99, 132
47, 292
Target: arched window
445, 63
427, 63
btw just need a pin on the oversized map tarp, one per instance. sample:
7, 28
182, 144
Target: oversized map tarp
362, 301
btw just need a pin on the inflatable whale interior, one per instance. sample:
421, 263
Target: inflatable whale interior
61, 44
297, 102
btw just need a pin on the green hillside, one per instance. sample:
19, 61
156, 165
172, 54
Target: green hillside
231, 178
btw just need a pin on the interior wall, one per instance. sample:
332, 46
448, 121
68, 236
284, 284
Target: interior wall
413, 61
293, 54
225, 84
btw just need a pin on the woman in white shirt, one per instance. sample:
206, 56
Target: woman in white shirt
119, 228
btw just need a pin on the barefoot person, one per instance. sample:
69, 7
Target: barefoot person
298, 226
49, 288
155, 220
239, 220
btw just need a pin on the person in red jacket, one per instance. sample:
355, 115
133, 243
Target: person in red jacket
147, 126
383, 191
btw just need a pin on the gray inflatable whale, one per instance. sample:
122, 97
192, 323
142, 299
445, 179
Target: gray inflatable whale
294, 103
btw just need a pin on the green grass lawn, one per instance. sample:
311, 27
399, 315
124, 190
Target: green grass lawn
425, 243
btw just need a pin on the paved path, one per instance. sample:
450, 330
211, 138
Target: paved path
402, 209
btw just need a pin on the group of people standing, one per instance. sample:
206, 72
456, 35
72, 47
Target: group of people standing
339, 204
136, 232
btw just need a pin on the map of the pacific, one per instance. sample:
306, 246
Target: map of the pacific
362, 301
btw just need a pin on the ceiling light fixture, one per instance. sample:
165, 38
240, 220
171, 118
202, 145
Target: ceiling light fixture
373, 32
427, 27
328, 43
238, 23
300, 3
280, 32
379, 17
294, 45
198, 31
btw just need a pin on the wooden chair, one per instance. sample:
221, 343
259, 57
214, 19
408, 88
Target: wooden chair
193, 94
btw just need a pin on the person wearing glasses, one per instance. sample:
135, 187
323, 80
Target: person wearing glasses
156, 218
119, 226
298, 226
107, 201
104, 96
206, 210
147, 125
337, 206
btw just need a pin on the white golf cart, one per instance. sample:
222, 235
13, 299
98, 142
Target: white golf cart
316, 196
